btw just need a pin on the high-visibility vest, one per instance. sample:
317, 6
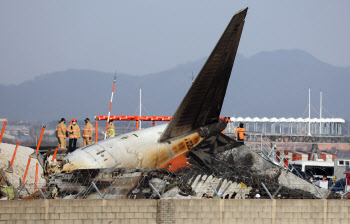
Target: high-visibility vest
241, 133
110, 130
88, 128
61, 130
74, 131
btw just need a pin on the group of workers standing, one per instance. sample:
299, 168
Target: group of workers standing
73, 132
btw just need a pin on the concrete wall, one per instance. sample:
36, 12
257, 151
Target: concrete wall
202, 211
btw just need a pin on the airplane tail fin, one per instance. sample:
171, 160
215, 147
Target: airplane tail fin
203, 102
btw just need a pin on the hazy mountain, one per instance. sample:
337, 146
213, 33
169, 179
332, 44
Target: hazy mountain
268, 84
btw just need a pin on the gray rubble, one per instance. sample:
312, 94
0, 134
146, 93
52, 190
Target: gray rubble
220, 167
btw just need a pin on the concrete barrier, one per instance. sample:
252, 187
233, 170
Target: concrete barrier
202, 211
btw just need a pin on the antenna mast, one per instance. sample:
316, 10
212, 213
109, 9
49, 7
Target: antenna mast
309, 112
110, 105
320, 112
140, 107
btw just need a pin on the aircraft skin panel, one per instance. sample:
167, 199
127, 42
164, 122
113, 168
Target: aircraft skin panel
203, 102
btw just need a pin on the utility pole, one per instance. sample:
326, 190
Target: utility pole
320, 112
309, 112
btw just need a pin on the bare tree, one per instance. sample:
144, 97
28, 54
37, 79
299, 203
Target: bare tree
34, 132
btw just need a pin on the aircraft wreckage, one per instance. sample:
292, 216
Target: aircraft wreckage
185, 158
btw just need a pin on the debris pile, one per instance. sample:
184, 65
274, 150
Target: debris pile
19, 167
220, 167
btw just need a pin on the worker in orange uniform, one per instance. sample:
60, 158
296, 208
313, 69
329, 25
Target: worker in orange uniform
87, 132
74, 134
241, 133
110, 129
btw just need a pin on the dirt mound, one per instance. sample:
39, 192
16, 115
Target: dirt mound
19, 165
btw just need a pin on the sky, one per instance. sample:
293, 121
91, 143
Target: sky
140, 37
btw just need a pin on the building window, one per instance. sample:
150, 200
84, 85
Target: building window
341, 162
347, 163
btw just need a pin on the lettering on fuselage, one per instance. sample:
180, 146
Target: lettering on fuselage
100, 152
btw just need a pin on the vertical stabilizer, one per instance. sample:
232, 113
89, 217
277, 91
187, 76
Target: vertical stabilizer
203, 102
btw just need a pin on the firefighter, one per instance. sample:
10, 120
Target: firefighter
110, 129
58, 130
61, 131
74, 134
63, 135
241, 133
87, 132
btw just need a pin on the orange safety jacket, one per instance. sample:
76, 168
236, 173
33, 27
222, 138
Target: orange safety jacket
74, 131
88, 128
241, 133
61, 130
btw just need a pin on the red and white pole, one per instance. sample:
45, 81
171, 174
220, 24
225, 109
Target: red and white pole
110, 105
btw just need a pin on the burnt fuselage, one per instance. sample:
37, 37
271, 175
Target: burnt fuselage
137, 150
